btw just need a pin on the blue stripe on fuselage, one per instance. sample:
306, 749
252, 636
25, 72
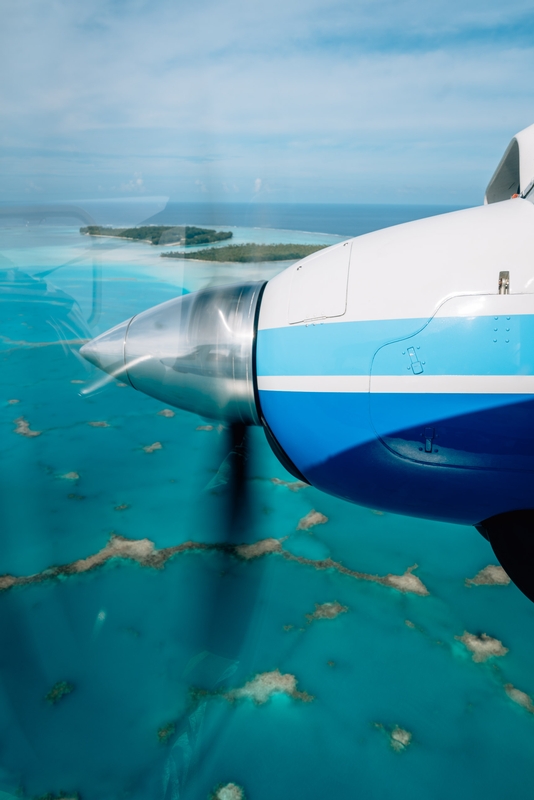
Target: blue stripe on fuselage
340, 348
449, 346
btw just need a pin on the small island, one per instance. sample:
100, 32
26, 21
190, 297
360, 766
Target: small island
247, 253
186, 235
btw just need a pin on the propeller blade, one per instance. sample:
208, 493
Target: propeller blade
237, 485
234, 593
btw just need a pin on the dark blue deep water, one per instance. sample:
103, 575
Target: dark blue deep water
168, 647
346, 219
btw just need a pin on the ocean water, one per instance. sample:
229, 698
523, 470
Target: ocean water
145, 648
345, 220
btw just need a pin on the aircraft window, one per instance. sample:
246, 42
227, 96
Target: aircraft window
156, 636
505, 181
191, 605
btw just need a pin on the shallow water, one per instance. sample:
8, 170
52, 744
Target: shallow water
137, 642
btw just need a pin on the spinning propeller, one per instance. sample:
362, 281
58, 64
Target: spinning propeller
197, 352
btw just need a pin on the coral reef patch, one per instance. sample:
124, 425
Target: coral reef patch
228, 791
521, 698
150, 448
311, 519
492, 575
166, 412
293, 486
327, 611
144, 552
166, 732
482, 647
259, 689
399, 738
23, 428
58, 691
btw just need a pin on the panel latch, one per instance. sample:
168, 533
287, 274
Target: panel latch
429, 436
417, 367
504, 282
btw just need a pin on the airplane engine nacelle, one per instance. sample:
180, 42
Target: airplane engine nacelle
394, 370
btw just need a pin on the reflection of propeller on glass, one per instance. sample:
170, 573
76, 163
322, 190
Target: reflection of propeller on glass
37, 215
57, 311
197, 352
117, 374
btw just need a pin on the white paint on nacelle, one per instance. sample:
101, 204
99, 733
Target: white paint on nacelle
408, 271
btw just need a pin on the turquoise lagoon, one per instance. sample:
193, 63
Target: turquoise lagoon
150, 649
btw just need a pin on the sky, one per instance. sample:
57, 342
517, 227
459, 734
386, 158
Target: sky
367, 101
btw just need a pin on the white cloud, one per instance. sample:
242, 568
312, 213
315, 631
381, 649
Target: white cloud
136, 184
341, 100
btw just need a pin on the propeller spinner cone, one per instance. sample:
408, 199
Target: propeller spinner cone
195, 352
107, 351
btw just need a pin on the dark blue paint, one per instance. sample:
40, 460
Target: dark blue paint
480, 462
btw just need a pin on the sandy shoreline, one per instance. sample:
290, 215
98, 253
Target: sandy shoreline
179, 243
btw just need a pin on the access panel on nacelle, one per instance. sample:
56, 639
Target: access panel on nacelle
458, 393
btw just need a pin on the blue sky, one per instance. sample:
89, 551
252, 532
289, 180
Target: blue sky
279, 101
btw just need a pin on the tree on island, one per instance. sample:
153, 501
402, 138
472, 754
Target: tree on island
187, 235
247, 253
